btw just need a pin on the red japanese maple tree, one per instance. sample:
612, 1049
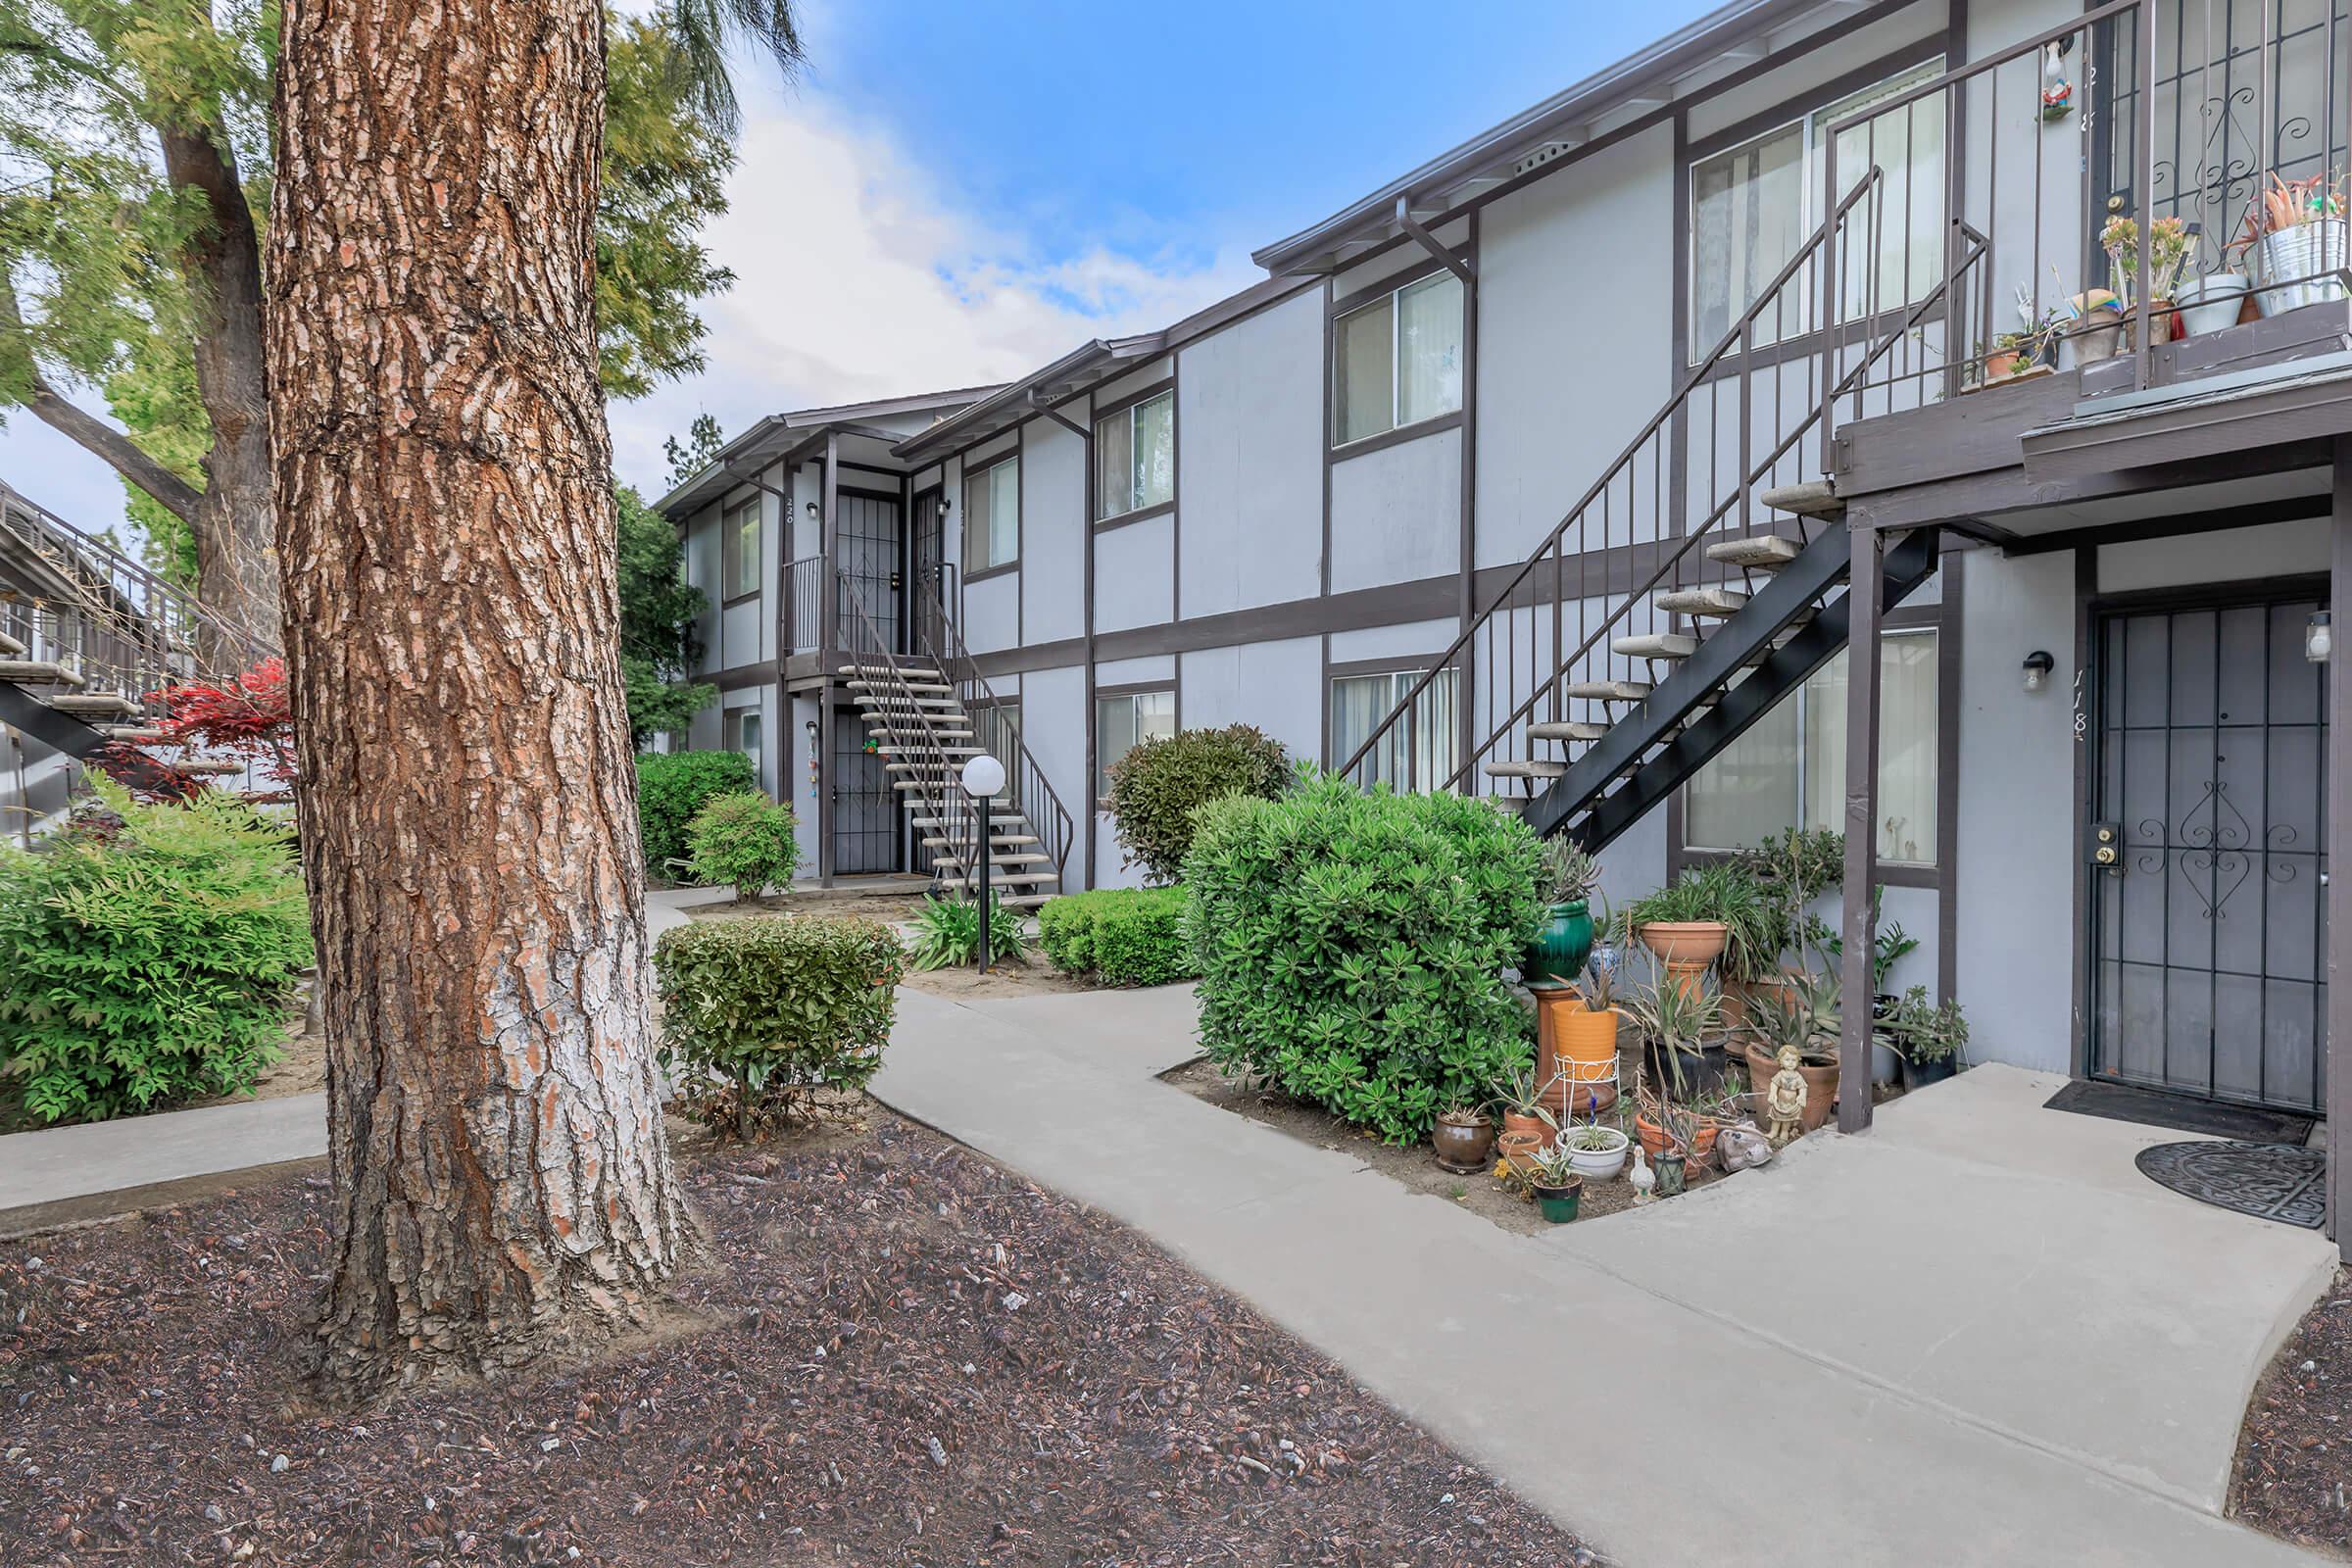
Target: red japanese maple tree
247, 719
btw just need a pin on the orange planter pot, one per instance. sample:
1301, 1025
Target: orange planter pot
1519, 1151
1654, 1137
1516, 1125
1685, 942
1575, 1056
1821, 1088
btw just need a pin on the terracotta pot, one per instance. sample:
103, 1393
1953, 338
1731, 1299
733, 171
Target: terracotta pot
1515, 1124
1520, 1150
1820, 1087
1465, 1145
2002, 366
1685, 942
1654, 1137
1687, 976
1576, 1056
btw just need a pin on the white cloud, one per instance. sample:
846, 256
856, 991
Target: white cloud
857, 280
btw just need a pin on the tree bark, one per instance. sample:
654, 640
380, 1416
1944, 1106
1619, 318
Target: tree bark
501, 1181
234, 522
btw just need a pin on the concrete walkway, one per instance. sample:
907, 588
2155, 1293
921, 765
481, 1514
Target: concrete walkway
1974, 1336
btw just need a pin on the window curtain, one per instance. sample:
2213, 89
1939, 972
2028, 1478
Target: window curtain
1429, 348
1363, 381
1153, 476
1907, 732
1749, 791
1425, 738
1122, 721
1747, 217
1907, 144
1114, 461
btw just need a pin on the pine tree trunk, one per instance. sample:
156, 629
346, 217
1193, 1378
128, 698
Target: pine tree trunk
502, 1184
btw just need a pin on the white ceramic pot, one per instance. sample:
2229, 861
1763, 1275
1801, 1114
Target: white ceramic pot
2211, 302
1599, 1164
2296, 257
2097, 334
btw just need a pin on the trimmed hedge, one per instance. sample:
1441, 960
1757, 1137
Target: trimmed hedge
778, 1007
745, 841
1159, 784
150, 963
1123, 936
674, 786
1351, 948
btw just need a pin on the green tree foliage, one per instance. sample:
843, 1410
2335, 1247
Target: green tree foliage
1121, 936
1352, 946
745, 841
672, 786
773, 1008
657, 611
1157, 786
696, 453
99, 280
148, 963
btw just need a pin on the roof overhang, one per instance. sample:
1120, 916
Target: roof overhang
1717, 45
779, 435
1084, 367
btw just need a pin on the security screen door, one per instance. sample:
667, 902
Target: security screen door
2208, 928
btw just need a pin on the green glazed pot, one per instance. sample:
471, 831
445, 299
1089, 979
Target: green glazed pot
1558, 1204
1670, 1174
1562, 946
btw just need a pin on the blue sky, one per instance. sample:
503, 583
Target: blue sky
957, 193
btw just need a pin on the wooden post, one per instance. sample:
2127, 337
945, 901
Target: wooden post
1865, 596
829, 642
2338, 851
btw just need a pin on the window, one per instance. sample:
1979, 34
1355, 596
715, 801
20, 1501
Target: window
992, 515
1122, 720
743, 735
1135, 457
1752, 207
1399, 360
739, 550
1789, 768
1418, 752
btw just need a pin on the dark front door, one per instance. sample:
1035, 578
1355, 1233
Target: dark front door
2208, 930
866, 808
866, 546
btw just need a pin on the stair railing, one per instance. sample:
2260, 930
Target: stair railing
1624, 538
869, 649
937, 637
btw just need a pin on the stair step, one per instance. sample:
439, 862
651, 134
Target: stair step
890, 732
1716, 602
37, 672
1002, 823
993, 861
1025, 878
1812, 499
10, 648
1024, 901
1570, 729
1764, 551
209, 765
1526, 770
1780, 640
924, 670
937, 842
1608, 691
901, 685
934, 764
132, 734
99, 705
1656, 645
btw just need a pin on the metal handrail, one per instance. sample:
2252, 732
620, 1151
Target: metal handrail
1741, 334
936, 634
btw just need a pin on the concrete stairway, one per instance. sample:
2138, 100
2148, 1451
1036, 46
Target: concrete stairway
922, 730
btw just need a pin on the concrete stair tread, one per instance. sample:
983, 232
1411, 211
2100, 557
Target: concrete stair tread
993, 861
1003, 822
889, 732
1608, 691
1526, 770
10, 648
1656, 645
132, 734
1716, 602
37, 672
1767, 552
936, 842
901, 685
209, 765
1570, 729
1813, 498
923, 669
109, 704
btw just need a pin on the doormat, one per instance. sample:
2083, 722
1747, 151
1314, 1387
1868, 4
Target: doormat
2269, 1181
2123, 1102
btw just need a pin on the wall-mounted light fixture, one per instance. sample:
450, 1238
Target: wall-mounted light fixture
2038, 665
815, 513
2319, 640
943, 508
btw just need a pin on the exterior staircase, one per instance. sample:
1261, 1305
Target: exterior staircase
915, 705
1663, 615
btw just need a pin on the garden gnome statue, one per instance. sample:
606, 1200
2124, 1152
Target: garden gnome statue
1641, 1176
1784, 1101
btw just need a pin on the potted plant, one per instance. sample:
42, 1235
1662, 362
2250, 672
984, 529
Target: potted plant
2168, 248
1677, 1026
1932, 1039
1596, 1153
1464, 1139
1557, 1185
2090, 329
1685, 922
2209, 302
2295, 235
2014, 356
1805, 1015
1565, 939
1528, 1124
1576, 1046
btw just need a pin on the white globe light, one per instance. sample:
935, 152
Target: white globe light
983, 776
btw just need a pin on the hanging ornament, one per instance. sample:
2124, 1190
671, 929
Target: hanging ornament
2057, 92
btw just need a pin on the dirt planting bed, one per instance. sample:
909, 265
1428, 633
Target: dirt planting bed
907, 1355
2295, 1452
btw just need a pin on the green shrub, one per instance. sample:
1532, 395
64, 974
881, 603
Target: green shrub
745, 840
1352, 946
1123, 936
1157, 786
671, 787
947, 932
151, 963
774, 1008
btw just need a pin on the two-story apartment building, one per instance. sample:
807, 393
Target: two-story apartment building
1543, 471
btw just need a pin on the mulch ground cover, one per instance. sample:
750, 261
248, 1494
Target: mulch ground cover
2294, 1453
910, 1356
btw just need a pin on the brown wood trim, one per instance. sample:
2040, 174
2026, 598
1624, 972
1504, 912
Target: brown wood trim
1951, 622
2086, 588
2340, 888
1397, 436
1388, 664
1901, 58
1140, 514
1166, 384
739, 677
1404, 277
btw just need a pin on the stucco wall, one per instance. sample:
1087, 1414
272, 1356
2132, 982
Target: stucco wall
1395, 513
1250, 460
